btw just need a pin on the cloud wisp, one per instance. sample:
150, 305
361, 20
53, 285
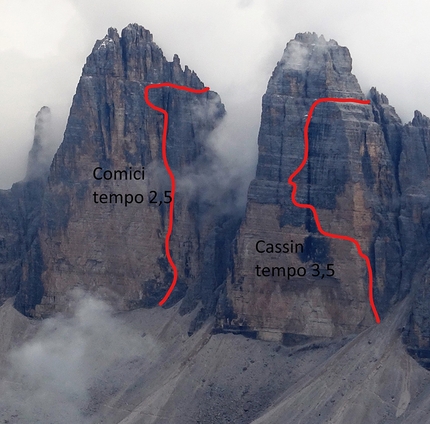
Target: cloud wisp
54, 376
232, 45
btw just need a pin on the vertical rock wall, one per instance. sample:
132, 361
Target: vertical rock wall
349, 178
115, 250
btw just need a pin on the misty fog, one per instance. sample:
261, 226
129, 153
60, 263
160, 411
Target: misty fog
232, 45
51, 377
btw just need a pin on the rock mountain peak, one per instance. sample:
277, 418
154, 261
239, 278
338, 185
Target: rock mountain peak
135, 56
420, 120
367, 173
315, 68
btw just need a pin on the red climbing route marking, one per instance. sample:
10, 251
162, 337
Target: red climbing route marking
312, 208
169, 171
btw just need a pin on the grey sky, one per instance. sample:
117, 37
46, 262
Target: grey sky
233, 45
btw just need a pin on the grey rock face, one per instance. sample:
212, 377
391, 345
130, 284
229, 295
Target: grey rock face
409, 146
367, 176
414, 170
115, 250
349, 178
29, 197
11, 238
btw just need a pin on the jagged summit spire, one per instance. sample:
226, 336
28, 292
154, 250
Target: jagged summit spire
309, 37
378, 97
420, 120
312, 67
138, 31
131, 31
40, 156
134, 55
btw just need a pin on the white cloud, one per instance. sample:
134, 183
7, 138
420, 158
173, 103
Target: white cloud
34, 29
233, 46
55, 375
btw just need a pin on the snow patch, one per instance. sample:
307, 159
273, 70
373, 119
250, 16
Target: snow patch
105, 42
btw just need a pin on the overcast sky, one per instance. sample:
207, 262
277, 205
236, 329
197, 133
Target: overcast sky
233, 45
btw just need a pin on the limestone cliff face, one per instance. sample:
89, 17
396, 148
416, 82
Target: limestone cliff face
111, 248
349, 178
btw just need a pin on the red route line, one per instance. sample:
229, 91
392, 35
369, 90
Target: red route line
312, 208
172, 177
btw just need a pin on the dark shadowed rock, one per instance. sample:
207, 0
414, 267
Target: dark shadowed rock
415, 229
20, 207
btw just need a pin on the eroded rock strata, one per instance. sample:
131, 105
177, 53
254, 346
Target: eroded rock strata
367, 174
